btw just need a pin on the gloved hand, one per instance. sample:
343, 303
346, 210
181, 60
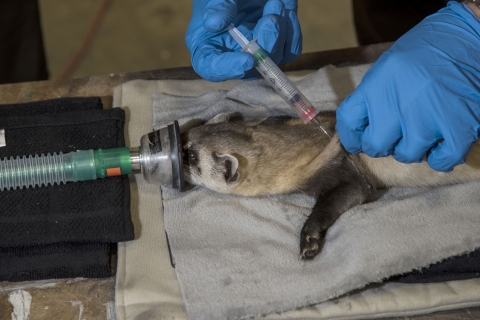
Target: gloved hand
215, 54
422, 97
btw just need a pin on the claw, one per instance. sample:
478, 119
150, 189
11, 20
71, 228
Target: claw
305, 251
308, 237
302, 255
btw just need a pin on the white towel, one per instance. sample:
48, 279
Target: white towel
237, 257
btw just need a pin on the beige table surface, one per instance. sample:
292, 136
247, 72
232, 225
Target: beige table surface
94, 298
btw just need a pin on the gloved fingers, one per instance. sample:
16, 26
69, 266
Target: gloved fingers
381, 136
271, 30
219, 14
291, 5
213, 65
419, 132
451, 152
375, 133
293, 41
352, 120
414, 145
445, 156
279, 31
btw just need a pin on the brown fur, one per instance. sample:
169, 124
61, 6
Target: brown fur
282, 155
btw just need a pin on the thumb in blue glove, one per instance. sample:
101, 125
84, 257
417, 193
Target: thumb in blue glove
422, 97
215, 54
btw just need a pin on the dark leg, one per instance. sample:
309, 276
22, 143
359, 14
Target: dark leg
329, 206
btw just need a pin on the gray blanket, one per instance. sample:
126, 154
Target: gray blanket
237, 257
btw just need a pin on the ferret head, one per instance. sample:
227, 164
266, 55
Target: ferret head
216, 154
274, 156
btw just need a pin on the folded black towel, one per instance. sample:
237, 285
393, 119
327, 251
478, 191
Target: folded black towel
50, 106
80, 218
59, 260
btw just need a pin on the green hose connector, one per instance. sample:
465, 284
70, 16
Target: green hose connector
112, 162
101, 163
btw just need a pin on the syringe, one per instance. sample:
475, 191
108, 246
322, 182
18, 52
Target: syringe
278, 80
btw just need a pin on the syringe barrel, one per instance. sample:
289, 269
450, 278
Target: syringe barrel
50, 169
279, 81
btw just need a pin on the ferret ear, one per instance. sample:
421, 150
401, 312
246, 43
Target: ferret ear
228, 165
221, 117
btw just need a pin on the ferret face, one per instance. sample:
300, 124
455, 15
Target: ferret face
214, 155
204, 166
253, 158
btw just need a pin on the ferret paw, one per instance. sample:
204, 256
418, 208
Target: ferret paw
311, 241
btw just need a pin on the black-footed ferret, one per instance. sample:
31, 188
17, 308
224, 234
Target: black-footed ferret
282, 155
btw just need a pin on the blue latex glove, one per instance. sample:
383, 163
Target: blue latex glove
215, 54
422, 97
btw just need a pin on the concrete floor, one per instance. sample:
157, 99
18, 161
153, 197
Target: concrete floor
149, 34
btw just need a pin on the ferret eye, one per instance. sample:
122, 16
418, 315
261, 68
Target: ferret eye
190, 157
